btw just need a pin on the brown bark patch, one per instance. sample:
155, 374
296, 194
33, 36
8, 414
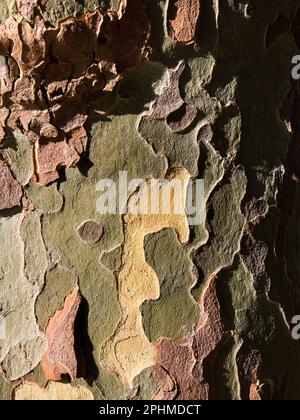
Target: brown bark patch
10, 191
90, 232
187, 360
182, 118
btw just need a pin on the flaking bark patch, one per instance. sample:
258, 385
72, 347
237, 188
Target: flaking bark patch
187, 360
50, 77
11, 191
60, 357
183, 19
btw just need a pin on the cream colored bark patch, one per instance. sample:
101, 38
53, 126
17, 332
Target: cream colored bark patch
53, 391
24, 345
129, 351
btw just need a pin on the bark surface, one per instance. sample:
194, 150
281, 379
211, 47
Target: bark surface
148, 306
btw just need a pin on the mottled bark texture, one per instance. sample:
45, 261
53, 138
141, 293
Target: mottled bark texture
148, 307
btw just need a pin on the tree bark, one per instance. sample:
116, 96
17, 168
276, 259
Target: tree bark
149, 306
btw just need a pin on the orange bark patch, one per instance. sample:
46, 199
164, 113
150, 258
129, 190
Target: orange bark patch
60, 357
183, 16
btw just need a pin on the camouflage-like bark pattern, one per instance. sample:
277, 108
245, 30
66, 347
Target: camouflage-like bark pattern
123, 307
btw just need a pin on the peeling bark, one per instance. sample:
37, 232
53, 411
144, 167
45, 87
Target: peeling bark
146, 306
60, 357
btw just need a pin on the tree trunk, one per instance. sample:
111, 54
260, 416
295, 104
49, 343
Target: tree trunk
101, 296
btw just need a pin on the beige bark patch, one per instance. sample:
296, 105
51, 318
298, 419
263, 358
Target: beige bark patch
22, 350
129, 351
53, 391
